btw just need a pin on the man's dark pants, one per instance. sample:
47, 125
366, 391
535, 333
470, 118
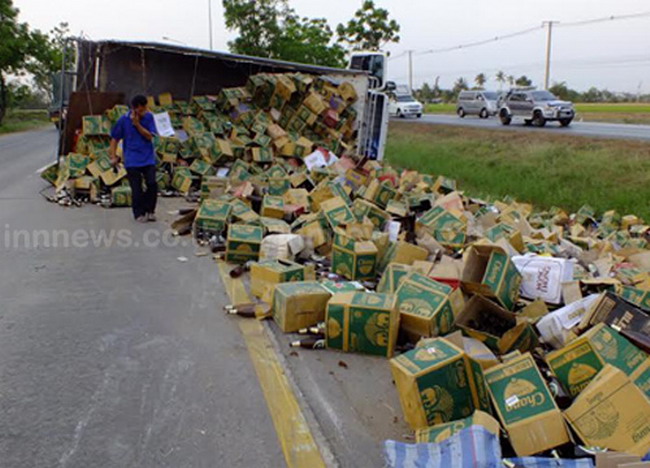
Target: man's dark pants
144, 201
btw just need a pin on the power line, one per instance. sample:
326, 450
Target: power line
604, 19
482, 42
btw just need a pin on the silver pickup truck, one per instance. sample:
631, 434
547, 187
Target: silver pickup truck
535, 107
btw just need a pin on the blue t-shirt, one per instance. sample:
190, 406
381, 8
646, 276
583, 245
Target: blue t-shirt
138, 151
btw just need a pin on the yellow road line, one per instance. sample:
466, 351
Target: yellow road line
295, 437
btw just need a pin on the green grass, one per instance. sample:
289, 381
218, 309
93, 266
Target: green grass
19, 120
541, 169
445, 108
625, 107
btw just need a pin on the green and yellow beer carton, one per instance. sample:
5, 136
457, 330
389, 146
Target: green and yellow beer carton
404, 253
490, 272
213, 216
96, 125
243, 243
352, 259
577, 364
444, 431
427, 307
437, 383
299, 304
200, 167
525, 406
337, 212
391, 277
273, 207
266, 274
182, 180
362, 322
121, 196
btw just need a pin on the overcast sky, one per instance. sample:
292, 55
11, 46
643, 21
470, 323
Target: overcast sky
614, 55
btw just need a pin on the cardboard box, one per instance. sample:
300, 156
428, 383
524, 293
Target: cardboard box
352, 259
121, 196
273, 207
437, 383
299, 305
213, 187
362, 322
391, 277
427, 308
542, 277
182, 180
498, 328
616, 312
560, 326
404, 253
363, 208
638, 297
490, 272
525, 406
337, 212
611, 412
243, 243
444, 431
577, 364
213, 216
266, 274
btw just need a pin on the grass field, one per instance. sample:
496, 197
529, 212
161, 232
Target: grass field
630, 113
18, 120
542, 169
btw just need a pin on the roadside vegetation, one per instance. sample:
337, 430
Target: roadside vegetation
18, 120
546, 170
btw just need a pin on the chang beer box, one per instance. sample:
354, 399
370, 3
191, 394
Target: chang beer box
96, 125
427, 307
213, 187
362, 322
489, 271
278, 186
266, 274
273, 207
121, 196
299, 305
77, 164
352, 259
182, 180
243, 243
364, 209
577, 364
213, 216
243, 212
404, 253
525, 406
638, 297
202, 168
337, 212
437, 383
380, 193
444, 431
447, 227
391, 277
499, 329
612, 413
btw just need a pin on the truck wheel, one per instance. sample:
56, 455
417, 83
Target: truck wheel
565, 122
505, 117
528, 122
419, 116
538, 119
461, 112
399, 113
483, 114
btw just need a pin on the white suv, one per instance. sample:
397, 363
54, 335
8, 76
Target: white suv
404, 105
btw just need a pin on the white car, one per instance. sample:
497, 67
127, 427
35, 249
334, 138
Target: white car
405, 105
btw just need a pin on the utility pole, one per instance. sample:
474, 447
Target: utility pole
210, 21
410, 70
549, 35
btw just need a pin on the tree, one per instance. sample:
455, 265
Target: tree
511, 80
270, 28
370, 29
501, 79
460, 85
480, 80
308, 40
523, 80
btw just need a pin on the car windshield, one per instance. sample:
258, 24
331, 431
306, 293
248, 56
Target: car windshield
543, 96
404, 98
490, 96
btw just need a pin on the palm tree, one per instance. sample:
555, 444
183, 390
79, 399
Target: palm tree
460, 85
480, 80
511, 80
501, 78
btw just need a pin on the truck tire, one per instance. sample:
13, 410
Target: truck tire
419, 116
399, 113
538, 119
528, 122
484, 113
566, 122
461, 112
505, 117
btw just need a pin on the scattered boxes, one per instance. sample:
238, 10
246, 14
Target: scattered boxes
299, 304
243, 243
362, 322
352, 259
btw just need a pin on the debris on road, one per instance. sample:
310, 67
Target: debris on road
520, 323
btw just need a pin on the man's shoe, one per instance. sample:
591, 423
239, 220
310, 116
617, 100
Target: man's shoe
141, 219
151, 217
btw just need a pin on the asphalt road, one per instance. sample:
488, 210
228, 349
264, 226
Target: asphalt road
113, 353
590, 129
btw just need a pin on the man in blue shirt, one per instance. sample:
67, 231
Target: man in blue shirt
136, 130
